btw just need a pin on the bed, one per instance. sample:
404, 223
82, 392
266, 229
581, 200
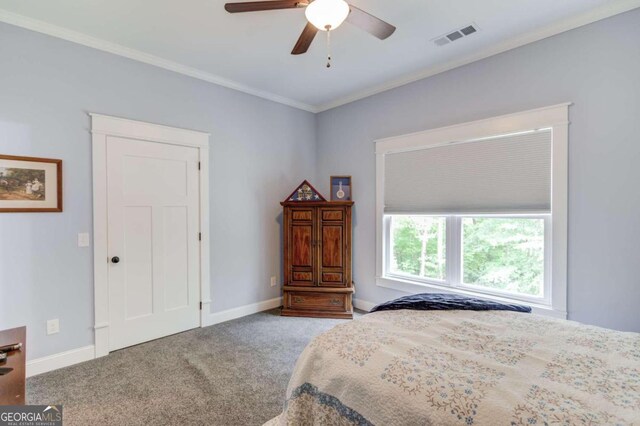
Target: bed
459, 366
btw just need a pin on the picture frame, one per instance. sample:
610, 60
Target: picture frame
305, 192
341, 188
30, 184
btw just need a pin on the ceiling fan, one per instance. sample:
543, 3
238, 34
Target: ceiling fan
322, 15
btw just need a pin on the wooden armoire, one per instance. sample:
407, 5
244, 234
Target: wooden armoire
317, 259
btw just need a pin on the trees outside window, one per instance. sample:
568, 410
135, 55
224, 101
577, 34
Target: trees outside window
419, 246
496, 254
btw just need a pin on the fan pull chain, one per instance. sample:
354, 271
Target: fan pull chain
328, 27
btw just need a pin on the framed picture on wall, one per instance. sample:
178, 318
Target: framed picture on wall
30, 184
340, 188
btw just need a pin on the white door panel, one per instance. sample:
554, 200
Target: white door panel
153, 208
137, 272
175, 256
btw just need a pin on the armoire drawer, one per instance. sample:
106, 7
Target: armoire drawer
316, 301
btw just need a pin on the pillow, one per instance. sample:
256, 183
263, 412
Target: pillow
447, 302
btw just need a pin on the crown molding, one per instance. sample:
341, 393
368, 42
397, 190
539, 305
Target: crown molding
136, 55
606, 11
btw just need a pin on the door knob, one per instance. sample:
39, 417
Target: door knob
115, 259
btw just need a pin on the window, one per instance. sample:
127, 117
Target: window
504, 254
499, 255
418, 246
478, 208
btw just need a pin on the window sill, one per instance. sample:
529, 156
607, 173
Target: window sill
413, 287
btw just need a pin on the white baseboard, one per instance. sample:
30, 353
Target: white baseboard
242, 311
60, 360
363, 305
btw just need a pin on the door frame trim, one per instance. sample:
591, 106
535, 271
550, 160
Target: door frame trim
102, 127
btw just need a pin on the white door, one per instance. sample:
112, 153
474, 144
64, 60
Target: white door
153, 233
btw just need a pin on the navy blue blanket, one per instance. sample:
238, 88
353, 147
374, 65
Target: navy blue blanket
447, 302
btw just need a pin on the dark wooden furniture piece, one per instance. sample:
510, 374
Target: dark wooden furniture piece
317, 259
12, 384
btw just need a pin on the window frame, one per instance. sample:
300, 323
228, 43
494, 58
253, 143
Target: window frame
555, 117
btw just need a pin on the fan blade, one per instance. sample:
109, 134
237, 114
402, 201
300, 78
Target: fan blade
256, 6
307, 36
370, 23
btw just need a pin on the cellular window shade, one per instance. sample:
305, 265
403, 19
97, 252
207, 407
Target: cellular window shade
510, 173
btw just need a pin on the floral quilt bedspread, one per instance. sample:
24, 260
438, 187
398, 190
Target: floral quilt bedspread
462, 367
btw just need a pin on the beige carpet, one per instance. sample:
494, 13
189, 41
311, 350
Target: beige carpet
233, 373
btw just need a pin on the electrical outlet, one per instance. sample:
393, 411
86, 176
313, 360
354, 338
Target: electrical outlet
53, 326
273, 282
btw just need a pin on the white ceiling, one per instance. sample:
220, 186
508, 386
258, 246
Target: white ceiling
251, 51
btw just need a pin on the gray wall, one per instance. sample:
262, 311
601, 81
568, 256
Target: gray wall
260, 151
598, 68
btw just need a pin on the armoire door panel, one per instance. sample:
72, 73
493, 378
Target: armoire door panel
301, 279
332, 246
301, 245
302, 215
332, 215
332, 277
303, 276
300, 236
333, 239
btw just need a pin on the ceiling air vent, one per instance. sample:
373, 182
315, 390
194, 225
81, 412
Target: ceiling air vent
455, 35
468, 30
441, 41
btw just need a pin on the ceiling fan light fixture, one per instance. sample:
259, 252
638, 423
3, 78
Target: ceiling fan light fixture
327, 14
